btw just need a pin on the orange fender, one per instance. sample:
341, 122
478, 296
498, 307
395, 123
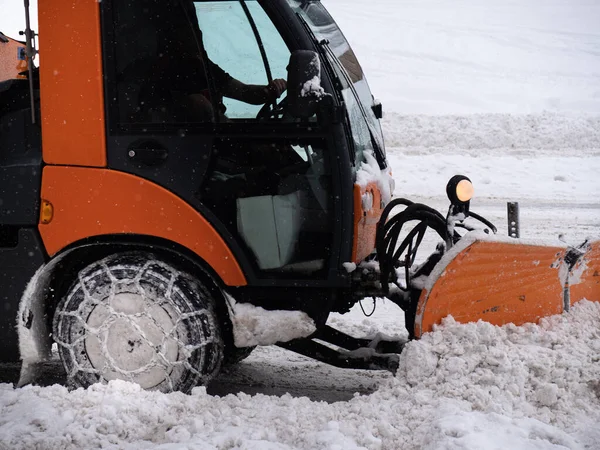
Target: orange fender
87, 202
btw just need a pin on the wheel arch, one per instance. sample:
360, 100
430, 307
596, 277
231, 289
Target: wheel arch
84, 252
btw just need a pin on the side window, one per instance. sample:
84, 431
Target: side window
325, 28
232, 44
360, 130
361, 135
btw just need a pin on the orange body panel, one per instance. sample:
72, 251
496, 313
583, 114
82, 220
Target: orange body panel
365, 222
72, 99
497, 282
91, 202
10, 63
587, 284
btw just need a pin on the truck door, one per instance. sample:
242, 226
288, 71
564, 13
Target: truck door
262, 178
269, 180
154, 130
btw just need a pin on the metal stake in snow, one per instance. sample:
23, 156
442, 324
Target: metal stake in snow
513, 219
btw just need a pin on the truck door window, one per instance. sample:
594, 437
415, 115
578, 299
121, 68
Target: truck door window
159, 73
232, 44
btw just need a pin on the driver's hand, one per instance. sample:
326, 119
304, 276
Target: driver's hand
275, 88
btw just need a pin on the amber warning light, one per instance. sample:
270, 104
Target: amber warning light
46, 212
460, 190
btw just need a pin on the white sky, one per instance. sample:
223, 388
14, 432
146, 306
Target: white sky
12, 17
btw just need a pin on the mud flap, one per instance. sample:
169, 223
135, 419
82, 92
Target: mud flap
507, 282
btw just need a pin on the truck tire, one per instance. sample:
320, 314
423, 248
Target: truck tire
133, 317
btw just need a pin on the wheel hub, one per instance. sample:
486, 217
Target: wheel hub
132, 337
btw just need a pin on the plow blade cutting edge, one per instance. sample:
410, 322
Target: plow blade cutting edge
508, 281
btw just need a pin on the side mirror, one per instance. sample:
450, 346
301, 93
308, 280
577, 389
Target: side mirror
377, 109
304, 84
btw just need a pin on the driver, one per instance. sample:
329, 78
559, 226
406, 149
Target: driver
227, 86
183, 61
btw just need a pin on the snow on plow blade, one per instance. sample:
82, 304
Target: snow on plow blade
508, 282
588, 267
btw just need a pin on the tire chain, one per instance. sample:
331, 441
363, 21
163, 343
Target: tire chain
159, 358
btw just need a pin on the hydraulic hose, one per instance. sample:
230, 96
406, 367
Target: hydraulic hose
388, 234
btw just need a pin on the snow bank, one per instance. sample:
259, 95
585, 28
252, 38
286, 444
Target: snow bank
548, 372
550, 158
547, 134
461, 386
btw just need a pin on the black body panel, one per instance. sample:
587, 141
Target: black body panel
21, 249
157, 157
21, 254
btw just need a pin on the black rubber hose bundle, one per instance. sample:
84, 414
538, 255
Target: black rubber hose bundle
388, 234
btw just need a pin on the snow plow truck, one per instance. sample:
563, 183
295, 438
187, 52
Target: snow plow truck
155, 228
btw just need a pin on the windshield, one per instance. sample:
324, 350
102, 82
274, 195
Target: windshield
324, 28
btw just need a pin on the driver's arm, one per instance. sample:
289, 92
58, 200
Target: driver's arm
252, 93
248, 93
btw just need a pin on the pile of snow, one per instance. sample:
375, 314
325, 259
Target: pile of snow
369, 172
462, 386
547, 134
548, 372
312, 88
253, 325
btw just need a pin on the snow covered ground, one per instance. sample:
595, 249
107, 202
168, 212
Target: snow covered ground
506, 92
462, 387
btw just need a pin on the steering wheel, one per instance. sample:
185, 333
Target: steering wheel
277, 111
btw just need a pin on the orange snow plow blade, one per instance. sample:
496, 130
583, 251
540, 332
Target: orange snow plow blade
505, 282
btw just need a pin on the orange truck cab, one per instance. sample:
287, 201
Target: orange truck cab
255, 202
156, 228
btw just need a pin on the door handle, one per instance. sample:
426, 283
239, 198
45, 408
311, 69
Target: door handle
147, 153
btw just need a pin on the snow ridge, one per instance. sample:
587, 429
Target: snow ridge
495, 134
